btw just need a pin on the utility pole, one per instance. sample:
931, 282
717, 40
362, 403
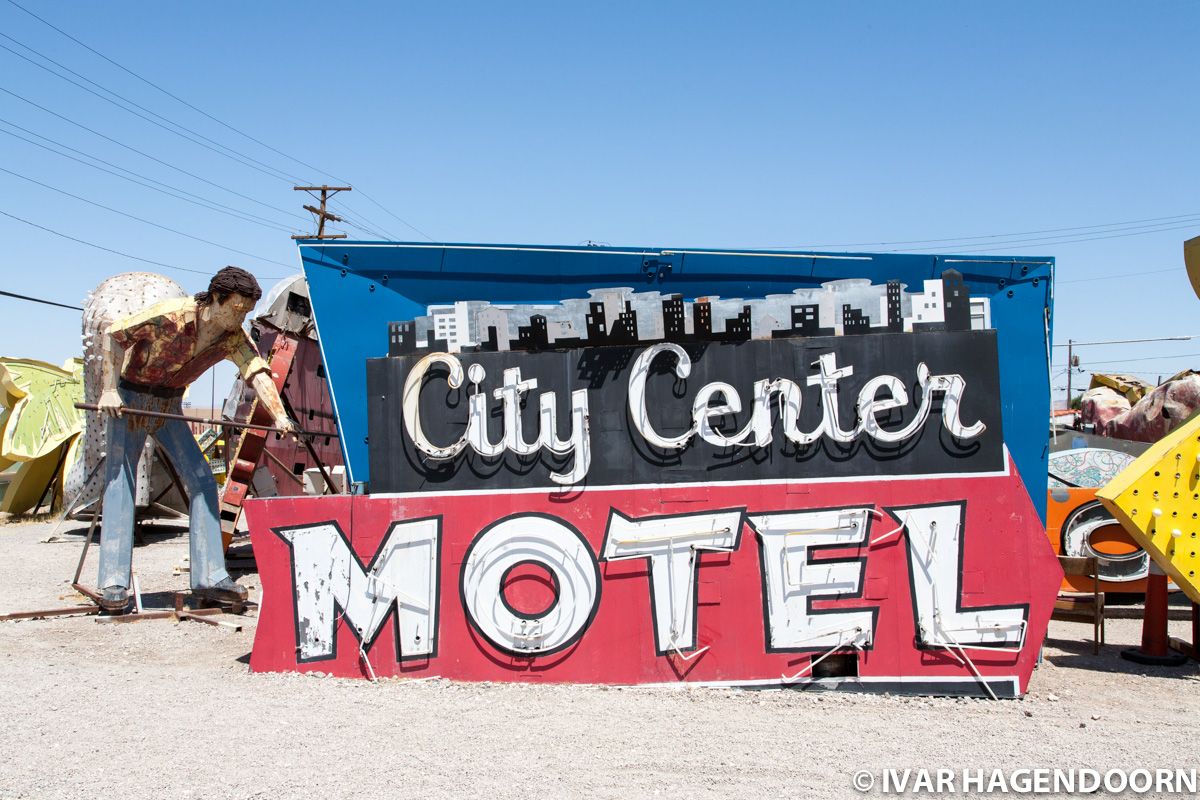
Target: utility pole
322, 214
1071, 367
1073, 360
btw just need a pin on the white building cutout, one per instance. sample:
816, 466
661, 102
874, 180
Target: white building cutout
981, 313
453, 324
927, 306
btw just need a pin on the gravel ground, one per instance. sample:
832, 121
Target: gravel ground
164, 710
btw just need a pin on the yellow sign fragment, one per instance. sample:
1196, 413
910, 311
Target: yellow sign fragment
1157, 500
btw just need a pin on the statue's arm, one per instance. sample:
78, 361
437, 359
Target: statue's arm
111, 354
264, 387
256, 372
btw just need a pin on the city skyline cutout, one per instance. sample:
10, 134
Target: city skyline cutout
623, 316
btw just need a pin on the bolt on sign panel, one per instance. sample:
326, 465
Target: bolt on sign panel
628, 465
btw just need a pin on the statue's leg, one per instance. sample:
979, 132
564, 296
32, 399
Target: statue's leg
204, 525
123, 449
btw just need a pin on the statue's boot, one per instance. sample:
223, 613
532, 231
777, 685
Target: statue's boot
224, 591
114, 599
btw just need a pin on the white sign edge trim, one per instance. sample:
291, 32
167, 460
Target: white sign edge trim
1004, 473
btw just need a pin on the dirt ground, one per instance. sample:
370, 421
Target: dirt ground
164, 710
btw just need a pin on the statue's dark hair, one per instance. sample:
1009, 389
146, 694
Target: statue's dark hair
230, 280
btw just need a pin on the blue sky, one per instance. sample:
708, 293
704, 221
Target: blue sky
674, 124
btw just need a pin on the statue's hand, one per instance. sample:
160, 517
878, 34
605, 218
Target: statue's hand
110, 403
287, 426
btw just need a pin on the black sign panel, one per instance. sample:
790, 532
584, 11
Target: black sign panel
956, 394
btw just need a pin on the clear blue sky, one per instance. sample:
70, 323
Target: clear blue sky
677, 124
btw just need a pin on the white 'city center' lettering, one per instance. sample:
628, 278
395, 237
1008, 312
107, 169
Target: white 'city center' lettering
712, 402
509, 394
758, 431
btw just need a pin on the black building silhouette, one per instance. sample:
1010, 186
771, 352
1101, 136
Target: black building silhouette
854, 322
567, 343
532, 336
674, 329
597, 325
702, 320
624, 328
957, 301
806, 321
737, 329
402, 338
895, 319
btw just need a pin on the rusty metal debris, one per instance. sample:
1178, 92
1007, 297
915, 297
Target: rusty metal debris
50, 612
181, 612
225, 422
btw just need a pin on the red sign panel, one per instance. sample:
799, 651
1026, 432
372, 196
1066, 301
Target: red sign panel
939, 584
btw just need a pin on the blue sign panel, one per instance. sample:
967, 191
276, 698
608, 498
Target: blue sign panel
370, 298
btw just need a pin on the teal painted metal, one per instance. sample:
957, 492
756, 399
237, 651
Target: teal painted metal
357, 288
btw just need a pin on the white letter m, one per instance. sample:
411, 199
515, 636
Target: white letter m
401, 582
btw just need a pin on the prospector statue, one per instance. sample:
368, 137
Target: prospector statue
149, 358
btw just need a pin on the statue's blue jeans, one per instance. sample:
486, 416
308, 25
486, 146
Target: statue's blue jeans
126, 437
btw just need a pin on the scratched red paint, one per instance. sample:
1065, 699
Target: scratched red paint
1007, 560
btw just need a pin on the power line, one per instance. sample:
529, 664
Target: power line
39, 300
204, 113
1119, 275
144, 154
168, 189
997, 235
154, 85
102, 247
366, 225
1156, 373
369, 227
386, 210
1052, 242
372, 233
374, 230
1136, 360
139, 219
233, 155
1184, 338
191, 136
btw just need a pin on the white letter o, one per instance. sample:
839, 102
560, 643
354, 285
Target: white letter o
554, 545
